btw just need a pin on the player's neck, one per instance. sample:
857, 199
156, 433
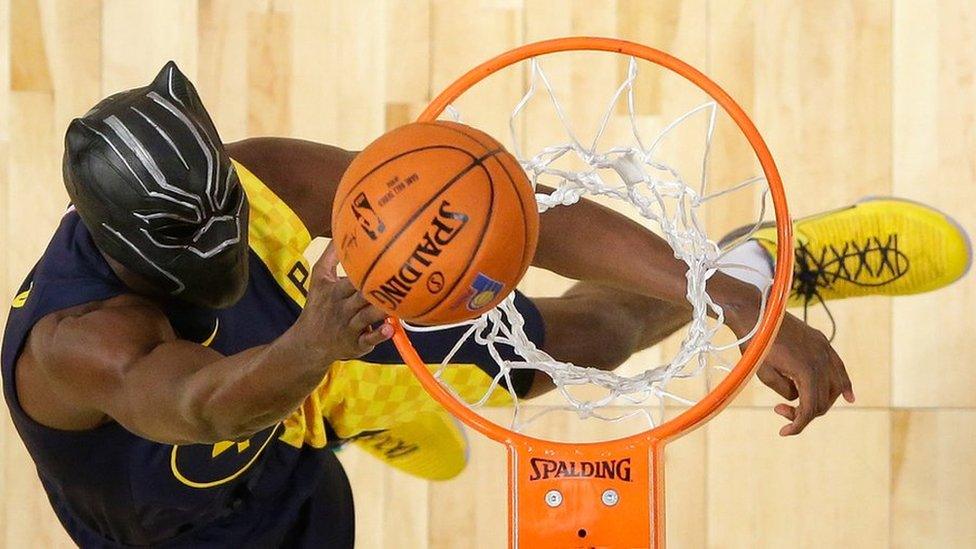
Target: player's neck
133, 280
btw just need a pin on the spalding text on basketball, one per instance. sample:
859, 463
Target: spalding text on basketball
613, 469
442, 230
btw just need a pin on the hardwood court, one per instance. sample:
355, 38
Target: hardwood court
854, 99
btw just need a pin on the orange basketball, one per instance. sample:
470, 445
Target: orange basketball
435, 222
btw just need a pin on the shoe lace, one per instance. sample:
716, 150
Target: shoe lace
816, 270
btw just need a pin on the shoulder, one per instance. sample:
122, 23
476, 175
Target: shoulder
122, 322
73, 357
85, 349
302, 173
273, 158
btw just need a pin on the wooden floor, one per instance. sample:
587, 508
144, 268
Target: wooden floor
873, 97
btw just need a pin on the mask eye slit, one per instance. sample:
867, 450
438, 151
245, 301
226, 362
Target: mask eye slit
176, 231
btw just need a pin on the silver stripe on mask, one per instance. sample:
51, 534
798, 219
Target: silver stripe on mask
165, 215
203, 230
164, 135
214, 175
179, 285
163, 102
146, 159
147, 190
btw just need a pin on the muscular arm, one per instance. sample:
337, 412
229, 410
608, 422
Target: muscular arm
647, 266
302, 173
800, 363
119, 360
305, 175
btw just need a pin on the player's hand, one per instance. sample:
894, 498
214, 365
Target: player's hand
337, 320
802, 365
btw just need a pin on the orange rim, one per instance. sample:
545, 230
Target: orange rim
757, 346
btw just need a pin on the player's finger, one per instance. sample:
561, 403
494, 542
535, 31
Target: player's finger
824, 391
366, 317
371, 338
352, 304
846, 387
326, 265
344, 290
805, 410
777, 382
785, 410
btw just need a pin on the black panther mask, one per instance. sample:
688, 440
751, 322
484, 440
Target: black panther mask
151, 180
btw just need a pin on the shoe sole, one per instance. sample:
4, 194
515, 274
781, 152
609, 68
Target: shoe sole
746, 229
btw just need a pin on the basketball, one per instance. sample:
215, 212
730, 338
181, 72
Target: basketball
435, 222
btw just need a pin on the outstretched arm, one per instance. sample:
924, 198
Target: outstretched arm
119, 360
621, 254
305, 175
616, 252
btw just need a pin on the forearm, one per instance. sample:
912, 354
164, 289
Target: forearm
587, 241
248, 392
203, 397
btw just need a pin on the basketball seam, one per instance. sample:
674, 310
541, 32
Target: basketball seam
525, 221
478, 162
525, 231
481, 237
525, 225
339, 203
446, 125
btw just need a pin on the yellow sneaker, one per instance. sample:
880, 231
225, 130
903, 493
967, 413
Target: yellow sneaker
431, 446
877, 246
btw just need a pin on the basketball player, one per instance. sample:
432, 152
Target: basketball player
180, 376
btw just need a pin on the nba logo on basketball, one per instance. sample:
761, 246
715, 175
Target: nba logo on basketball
483, 291
370, 222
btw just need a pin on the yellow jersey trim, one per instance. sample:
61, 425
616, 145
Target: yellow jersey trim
192, 484
277, 236
213, 335
21, 298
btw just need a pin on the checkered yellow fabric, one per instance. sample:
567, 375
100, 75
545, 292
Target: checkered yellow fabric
355, 396
362, 396
277, 235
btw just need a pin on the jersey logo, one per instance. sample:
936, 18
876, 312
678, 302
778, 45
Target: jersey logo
213, 335
298, 275
223, 446
206, 466
21, 298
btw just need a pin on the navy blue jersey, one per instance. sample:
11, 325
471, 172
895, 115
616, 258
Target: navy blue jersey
110, 487
282, 487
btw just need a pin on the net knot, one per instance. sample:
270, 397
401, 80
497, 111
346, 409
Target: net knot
563, 195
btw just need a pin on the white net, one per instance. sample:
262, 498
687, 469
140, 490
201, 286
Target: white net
633, 173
